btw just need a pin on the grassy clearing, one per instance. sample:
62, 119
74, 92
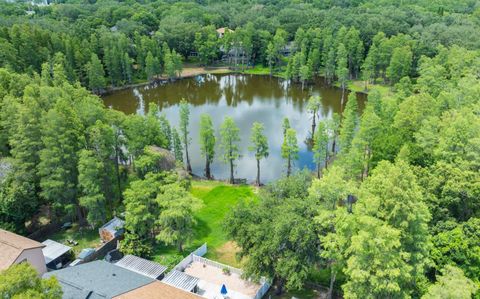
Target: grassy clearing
218, 198
86, 238
359, 86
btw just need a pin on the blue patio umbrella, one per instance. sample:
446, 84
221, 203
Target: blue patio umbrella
223, 291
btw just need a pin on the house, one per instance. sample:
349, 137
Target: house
157, 290
221, 31
288, 49
142, 266
97, 279
15, 249
112, 229
56, 254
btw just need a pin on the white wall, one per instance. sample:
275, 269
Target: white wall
35, 258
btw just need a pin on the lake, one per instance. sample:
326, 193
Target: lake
246, 98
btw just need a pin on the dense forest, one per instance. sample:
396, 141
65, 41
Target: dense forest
393, 208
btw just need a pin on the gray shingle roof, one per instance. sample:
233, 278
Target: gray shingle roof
141, 266
97, 279
54, 250
180, 280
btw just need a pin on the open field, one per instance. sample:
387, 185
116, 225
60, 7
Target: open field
218, 198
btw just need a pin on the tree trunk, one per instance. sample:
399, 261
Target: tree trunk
334, 144
318, 171
289, 166
326, 158
333, 276
189, 167
314, 124
258, 172
279, 288
232, 179
81, 218
117, 170
207, 169
180, 246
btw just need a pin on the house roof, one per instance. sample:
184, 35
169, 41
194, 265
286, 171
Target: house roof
97, 279
54, 250
158, 290
180, 280
223, 29
113, 226
141, 266
12, 245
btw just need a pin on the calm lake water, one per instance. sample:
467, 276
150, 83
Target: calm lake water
246, 98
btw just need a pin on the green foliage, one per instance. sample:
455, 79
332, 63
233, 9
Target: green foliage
229, 143
400, 64
152, 66
184, 131
95, 74
451, 284
177, 145
22, 281
290, 149
259, 145
349, 124
175, 222
62, 139
207, 44
458, 245
284, 242
376, 256
207, 142
320, 146
90, 171
393, 195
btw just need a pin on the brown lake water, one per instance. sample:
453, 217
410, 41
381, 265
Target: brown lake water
246, 98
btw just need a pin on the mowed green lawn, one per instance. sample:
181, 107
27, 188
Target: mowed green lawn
218, 198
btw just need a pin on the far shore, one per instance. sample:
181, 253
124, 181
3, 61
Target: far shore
193, 71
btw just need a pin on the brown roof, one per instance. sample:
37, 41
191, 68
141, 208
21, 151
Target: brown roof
157, 290
12, 245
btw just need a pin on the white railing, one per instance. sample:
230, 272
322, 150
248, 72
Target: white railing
218, 265
200, 251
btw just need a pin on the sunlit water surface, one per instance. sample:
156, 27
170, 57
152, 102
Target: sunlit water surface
246, 98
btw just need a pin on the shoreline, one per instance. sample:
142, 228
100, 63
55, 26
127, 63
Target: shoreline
190, 72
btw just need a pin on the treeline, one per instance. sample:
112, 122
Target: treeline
399, 202
113, 43
63, 149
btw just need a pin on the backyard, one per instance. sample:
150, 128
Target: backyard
86, 238
218, 198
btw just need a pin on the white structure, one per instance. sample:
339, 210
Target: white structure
54, 254
142, 266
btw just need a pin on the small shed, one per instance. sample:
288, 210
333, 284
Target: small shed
181, 280
142, 266
56, 254
112, 229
